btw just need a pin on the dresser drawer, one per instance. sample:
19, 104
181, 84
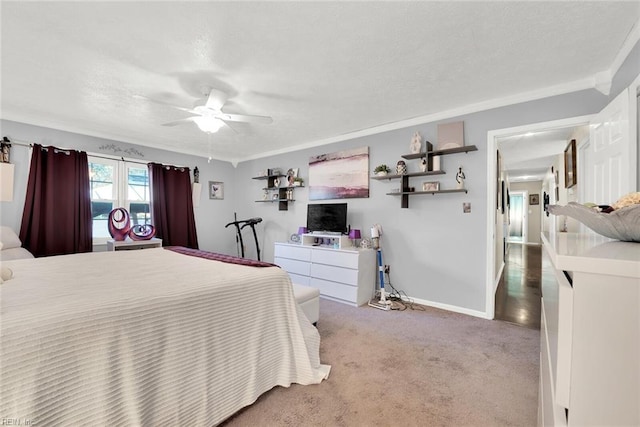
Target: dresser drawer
336, 290
293, 252
293, 266
345, 259
335, 274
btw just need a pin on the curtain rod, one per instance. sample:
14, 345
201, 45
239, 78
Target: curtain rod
99, 156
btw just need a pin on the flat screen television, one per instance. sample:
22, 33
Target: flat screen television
327, 217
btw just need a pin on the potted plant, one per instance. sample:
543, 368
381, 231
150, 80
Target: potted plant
381, 169
297, 181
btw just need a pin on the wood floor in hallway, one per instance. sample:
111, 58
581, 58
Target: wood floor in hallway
518, 293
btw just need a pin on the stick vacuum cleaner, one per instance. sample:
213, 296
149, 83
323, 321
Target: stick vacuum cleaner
382, 303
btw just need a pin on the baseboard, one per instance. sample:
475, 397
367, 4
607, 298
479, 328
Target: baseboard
453, 308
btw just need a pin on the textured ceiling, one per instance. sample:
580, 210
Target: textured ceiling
322, 70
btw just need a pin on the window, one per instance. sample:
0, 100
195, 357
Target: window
116, 184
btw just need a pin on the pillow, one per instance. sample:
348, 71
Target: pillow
9, 238
14, 253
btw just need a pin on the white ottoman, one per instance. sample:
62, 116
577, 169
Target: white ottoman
308, 299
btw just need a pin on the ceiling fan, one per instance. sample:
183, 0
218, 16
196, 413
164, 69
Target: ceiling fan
208, 115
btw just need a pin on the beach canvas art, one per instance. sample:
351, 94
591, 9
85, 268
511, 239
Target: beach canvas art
339, 175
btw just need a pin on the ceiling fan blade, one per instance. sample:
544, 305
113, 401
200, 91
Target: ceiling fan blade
155, 101
181, 122
216, 99
245, 118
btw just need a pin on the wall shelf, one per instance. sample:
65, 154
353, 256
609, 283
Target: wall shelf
273, 184
444, 152
274, 200
404, 192
408, 175
409, 193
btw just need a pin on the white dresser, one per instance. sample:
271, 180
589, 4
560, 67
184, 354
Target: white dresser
344, 275
590, 332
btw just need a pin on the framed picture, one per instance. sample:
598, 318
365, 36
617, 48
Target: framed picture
216, 190
450, 135
545, 201
498, 171
339, 175
534, 199
570, 175
431, 186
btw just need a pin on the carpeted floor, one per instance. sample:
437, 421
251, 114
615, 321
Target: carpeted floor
410, 368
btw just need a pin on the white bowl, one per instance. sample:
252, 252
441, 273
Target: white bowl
621, 224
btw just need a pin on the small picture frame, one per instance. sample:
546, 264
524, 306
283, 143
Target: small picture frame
534, 199
431, 186
570, 175
216, 190
450, 135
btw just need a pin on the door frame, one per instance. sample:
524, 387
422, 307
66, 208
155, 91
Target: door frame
492, 146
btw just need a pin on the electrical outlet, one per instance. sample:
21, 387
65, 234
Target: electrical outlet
387, 267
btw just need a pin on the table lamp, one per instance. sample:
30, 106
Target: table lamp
354, 235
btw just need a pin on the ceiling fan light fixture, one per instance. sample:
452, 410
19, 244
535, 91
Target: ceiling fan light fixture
208, 124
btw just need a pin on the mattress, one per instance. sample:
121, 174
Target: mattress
147, 338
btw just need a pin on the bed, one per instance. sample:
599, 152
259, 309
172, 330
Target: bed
147, 338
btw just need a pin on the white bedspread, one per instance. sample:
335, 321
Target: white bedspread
147, 338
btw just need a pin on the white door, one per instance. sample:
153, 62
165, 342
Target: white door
609, 169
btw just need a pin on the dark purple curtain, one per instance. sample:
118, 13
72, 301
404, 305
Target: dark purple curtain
57, 210
172, 205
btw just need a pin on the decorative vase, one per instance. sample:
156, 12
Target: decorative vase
119, 224
460, 177
142, 232
401, 167
436, 163
423, 164
416, 143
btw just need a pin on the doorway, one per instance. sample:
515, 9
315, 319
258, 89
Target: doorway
495, 219
518, 218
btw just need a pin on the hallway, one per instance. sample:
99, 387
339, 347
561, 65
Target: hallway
518, 293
